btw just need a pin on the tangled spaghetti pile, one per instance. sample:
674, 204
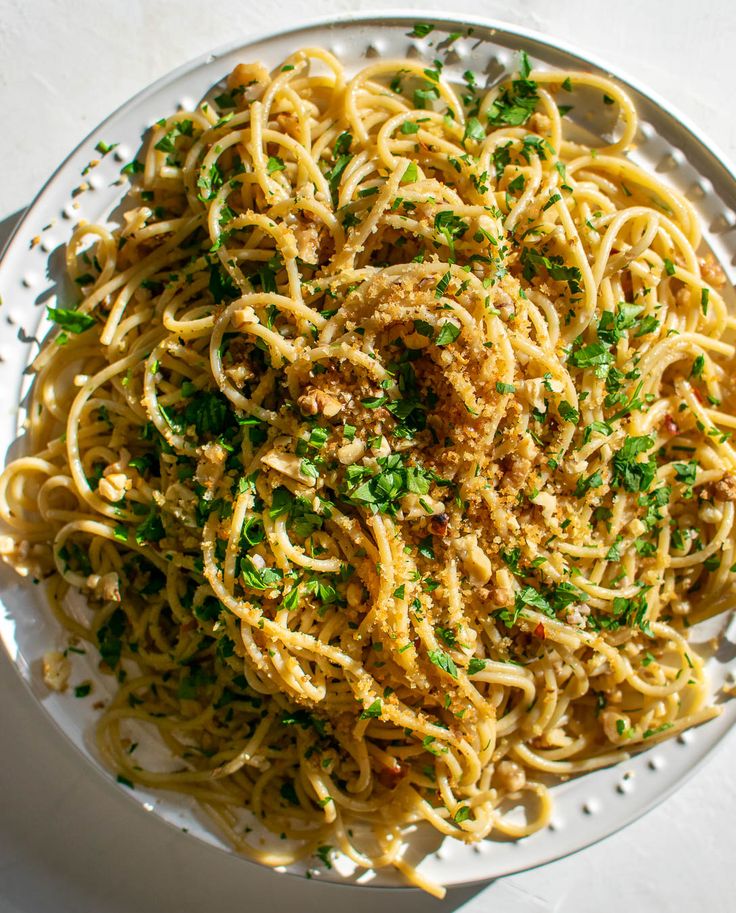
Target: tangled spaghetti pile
387, 447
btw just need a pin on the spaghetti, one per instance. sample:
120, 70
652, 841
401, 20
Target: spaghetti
389, 449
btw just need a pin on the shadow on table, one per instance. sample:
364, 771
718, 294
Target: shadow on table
7, 227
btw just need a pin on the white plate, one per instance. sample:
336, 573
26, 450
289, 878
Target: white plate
587, 808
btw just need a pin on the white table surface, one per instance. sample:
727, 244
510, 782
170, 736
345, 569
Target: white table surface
70, 843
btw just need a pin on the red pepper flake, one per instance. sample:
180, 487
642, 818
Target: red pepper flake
390, 777
539, 631
670, 425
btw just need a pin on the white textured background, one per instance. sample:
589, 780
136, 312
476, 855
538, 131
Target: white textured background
70, 844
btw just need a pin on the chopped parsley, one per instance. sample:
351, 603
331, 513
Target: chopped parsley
71, 321
474, 130
442, 285
381, 491
167, 143
592, 355
372, 712
630, 473
443, 661
584, 485
531, 260
450, 227
421, 30
568, 412
517, 101
448, 333
151, 529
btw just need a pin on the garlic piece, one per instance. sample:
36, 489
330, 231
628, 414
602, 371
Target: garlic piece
56, 670
288, 464
351, 452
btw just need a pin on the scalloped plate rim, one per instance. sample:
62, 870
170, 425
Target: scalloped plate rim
495, 27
